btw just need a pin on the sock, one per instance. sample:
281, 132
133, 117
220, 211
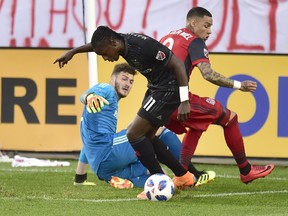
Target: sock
174, 145
194, 171
166, 157
189, 144
145, 152
235, 143
80, 178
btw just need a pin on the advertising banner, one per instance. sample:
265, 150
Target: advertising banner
263, 115
40, 107
238, 26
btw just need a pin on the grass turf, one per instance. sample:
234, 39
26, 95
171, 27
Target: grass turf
50, 191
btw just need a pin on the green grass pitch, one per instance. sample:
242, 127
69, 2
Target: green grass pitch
50, 191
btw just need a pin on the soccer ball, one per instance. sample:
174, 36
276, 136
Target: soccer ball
159, 187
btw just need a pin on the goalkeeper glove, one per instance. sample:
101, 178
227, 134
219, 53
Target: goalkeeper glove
95, 103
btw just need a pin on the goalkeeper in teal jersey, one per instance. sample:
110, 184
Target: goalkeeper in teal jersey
98, 122
100, 114
108, 153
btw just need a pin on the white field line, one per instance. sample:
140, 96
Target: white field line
237, 177
47, 170
134, 199
240, 193
130, 199
30, 169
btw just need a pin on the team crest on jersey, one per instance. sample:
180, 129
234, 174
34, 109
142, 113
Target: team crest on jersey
160, 55
206, 53
210, 101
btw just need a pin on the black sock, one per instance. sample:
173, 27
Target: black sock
146, 154
245, 170
166, 157
194, 171
80, 178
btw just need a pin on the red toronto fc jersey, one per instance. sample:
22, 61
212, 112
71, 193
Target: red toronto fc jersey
187, 47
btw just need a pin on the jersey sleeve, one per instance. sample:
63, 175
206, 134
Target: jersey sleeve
104, 90
198, 51
156, 53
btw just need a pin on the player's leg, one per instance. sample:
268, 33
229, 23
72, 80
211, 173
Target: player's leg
182, 177
155, 112
235, 143
116, 168
137, 135
81, 170
201, 116
174, 145
134, 172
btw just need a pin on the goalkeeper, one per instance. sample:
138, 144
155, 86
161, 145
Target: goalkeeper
122, 169
109, 153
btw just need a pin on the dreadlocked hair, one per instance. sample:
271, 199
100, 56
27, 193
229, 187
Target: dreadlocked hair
104, 34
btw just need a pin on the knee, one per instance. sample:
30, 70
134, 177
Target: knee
233, 118
227, 117
232, 115
129, 133
133, 133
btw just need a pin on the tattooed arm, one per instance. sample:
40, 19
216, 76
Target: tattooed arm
218, 79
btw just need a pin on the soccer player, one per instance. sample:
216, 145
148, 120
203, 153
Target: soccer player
167, 90
121, 161
122, 169
188, 44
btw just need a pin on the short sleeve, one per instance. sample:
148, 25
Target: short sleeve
198, 51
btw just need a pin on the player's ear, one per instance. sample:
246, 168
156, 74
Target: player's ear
193, 22
113, 80
113, 42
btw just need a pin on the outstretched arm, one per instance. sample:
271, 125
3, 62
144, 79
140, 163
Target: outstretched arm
218, 79
69, 55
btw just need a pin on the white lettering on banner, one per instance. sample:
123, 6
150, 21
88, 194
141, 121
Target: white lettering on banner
238, 26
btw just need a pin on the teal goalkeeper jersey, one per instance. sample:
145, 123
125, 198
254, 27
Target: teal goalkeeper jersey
98, 129
106, 120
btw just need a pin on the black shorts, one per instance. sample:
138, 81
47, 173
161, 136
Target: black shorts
158, 106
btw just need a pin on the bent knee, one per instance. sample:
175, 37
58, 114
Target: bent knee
133, 133
226, 117
129, 133
233, 118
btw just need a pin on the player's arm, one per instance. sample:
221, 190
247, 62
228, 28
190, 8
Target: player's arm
151, 50
62, 60
179, 68
218, 79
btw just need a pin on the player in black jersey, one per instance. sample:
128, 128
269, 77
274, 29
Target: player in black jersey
167, 91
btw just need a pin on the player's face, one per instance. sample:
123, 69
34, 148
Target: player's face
202, 27
108, 51
123, 83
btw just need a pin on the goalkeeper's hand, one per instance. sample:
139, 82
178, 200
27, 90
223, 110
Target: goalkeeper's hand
95, 103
